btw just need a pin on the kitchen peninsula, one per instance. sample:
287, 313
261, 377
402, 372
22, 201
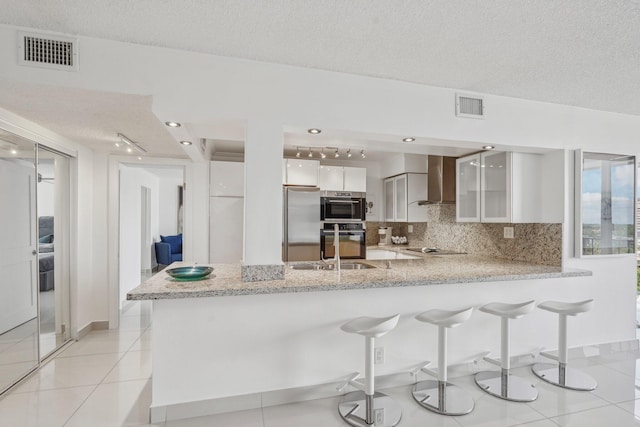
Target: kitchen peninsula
222, 344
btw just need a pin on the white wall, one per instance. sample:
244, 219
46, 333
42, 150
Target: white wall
168, 205
132, 179
273, 96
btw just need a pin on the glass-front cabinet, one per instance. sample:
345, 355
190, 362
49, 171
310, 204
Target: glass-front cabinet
495, 169
395, 198
483, 187
468, 189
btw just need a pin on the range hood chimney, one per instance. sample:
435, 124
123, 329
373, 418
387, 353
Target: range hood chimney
441, 181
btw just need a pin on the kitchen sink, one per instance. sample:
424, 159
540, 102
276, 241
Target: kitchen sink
345, 265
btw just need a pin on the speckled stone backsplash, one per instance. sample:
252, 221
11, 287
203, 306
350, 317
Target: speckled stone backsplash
536, 243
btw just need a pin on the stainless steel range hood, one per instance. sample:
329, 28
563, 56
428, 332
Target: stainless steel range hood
441, 184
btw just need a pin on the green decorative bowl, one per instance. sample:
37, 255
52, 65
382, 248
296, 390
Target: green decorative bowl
186, 274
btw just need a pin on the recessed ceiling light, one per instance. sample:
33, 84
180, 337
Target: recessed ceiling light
314, 131
408, 139
172, 124
186, 142
488, 147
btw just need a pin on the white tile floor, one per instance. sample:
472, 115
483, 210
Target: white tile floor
105, 380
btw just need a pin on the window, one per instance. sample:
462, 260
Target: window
606, 186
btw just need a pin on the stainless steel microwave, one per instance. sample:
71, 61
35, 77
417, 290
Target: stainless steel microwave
342, 206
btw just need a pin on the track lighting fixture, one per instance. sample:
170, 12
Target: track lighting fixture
324, 156
362, 154
297, 151
310, 153
337, 154
349, 153
131, 145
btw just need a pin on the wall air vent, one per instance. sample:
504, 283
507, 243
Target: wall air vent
470, 106
48, 51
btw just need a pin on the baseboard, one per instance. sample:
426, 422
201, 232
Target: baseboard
98, 325
201, 408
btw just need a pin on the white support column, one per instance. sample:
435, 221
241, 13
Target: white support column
369, 387
563, 350
263, 193
442, 354
504, 344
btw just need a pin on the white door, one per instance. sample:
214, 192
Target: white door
18, 261
226, 229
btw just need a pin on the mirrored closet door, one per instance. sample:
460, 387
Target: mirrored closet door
53, 249
18, 259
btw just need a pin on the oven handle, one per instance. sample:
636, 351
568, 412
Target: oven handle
352, 202
330, 232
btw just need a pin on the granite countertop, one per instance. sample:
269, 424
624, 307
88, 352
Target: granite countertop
428, 269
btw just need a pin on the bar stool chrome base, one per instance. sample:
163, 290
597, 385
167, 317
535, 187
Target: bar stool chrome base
563, 376
506, 386
443, 397
385, 411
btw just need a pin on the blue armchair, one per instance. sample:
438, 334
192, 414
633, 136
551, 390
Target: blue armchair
169, 249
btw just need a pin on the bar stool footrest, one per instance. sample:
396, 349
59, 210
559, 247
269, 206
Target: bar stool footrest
386, 411
506, 386
443, 397
574, 379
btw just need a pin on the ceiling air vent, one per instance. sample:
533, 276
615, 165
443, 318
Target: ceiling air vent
48, 51
470, 106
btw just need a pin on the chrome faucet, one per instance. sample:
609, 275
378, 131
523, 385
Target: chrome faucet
336, 245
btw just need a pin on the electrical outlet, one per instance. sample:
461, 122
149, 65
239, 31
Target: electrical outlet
378, 416
378, 355
508, 232
410, 228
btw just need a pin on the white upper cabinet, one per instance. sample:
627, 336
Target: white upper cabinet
331, 178
300, 172
495, 184
402, 194
226, 179
499, 187
468, 189
339, 178
355, 179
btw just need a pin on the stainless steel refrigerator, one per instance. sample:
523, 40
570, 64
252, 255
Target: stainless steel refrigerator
301, 228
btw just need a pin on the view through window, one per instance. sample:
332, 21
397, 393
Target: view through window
608, 196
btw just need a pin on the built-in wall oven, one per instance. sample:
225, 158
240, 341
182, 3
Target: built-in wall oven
342, 206
353, 240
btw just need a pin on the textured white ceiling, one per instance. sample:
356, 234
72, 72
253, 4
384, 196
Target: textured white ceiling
90, 117
576, 52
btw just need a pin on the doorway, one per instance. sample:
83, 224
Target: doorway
149, 207
53, 249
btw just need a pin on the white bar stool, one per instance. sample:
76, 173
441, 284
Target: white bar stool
441, 396
366, 407
502, 384
560, 374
